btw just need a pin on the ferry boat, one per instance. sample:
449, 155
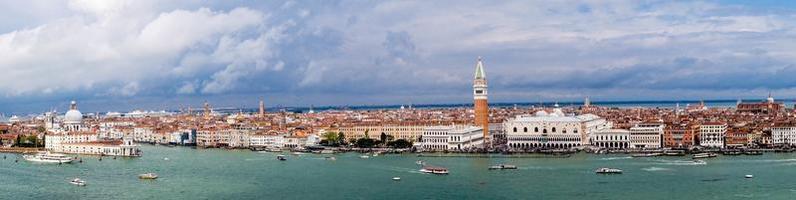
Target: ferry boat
78, 182
281, 157
47, 157
646, 155
605, 170
434, 170
148, 176
704, 155
502, 166
674, 153
732, 153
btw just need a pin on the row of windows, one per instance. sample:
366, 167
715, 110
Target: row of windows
536, 130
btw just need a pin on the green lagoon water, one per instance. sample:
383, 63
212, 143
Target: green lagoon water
241, 174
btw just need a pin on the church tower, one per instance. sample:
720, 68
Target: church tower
480, 97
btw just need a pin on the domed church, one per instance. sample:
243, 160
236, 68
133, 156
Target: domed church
73, 119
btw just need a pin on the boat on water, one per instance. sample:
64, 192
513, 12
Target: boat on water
674, 153
753, 153
47, 157
78, 182
330, 158
364, 156
646, 155
502, 166
749, 176
605, 170
396, 178
434, 170
281, 157
704, 155
148, 176
420, 162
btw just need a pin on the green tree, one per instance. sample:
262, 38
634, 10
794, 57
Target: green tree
330, 138
365, 142
340, 138
383, 137
400, 144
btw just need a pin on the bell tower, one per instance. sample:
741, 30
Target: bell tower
480, 98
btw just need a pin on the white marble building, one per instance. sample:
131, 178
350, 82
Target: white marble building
611, 139
646, 135
784, 133
552, 130
453, 138
712, 134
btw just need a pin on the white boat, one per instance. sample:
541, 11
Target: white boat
396, 178
364, 156
420, 162
47, 157
434, 170
605, 170
704, 155
281, 157
78, 182
148, 176
749, 176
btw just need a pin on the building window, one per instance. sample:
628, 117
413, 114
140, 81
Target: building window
515, 129
554, 129
525, 129
536, 129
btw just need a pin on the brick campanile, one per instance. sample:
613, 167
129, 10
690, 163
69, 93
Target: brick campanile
480, 98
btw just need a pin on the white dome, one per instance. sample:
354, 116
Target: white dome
73, 117
541, 113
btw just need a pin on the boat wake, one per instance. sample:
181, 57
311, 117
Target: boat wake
681, 162
655, 169
616, 158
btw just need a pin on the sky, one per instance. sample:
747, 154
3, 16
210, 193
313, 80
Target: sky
141, 54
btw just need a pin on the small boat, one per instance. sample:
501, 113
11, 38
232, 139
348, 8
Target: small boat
420, 162
47, 157
78, 182
166, 159
674, 153
396, 178
330, 158
364, 157
298, 153
327, 151
502, 166
605, 170
148, 176
646, 155
754, 153
281, 157
749, 176
434, 170
704, 155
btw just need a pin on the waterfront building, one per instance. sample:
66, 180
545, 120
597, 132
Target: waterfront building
552, 130
409, 132
711, 134
646, 135
267, 140
769, 106
680, 135
452, 138
737, 135
610, 139
481, 106
784, 133
76, 138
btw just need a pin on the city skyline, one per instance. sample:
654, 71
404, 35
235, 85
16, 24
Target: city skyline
125, 55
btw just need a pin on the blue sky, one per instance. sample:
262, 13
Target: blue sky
121, 55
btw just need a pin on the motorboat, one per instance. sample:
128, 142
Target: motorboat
502, 166
605, 170
420, 162
396, 178
434, 170
78, 182
754, 153
148, 176
674, 153
704, 155
749, 176
47, 157
330, 158
364, 157
281, 157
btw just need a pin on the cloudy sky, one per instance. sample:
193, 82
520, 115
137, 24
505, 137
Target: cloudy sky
118, 55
